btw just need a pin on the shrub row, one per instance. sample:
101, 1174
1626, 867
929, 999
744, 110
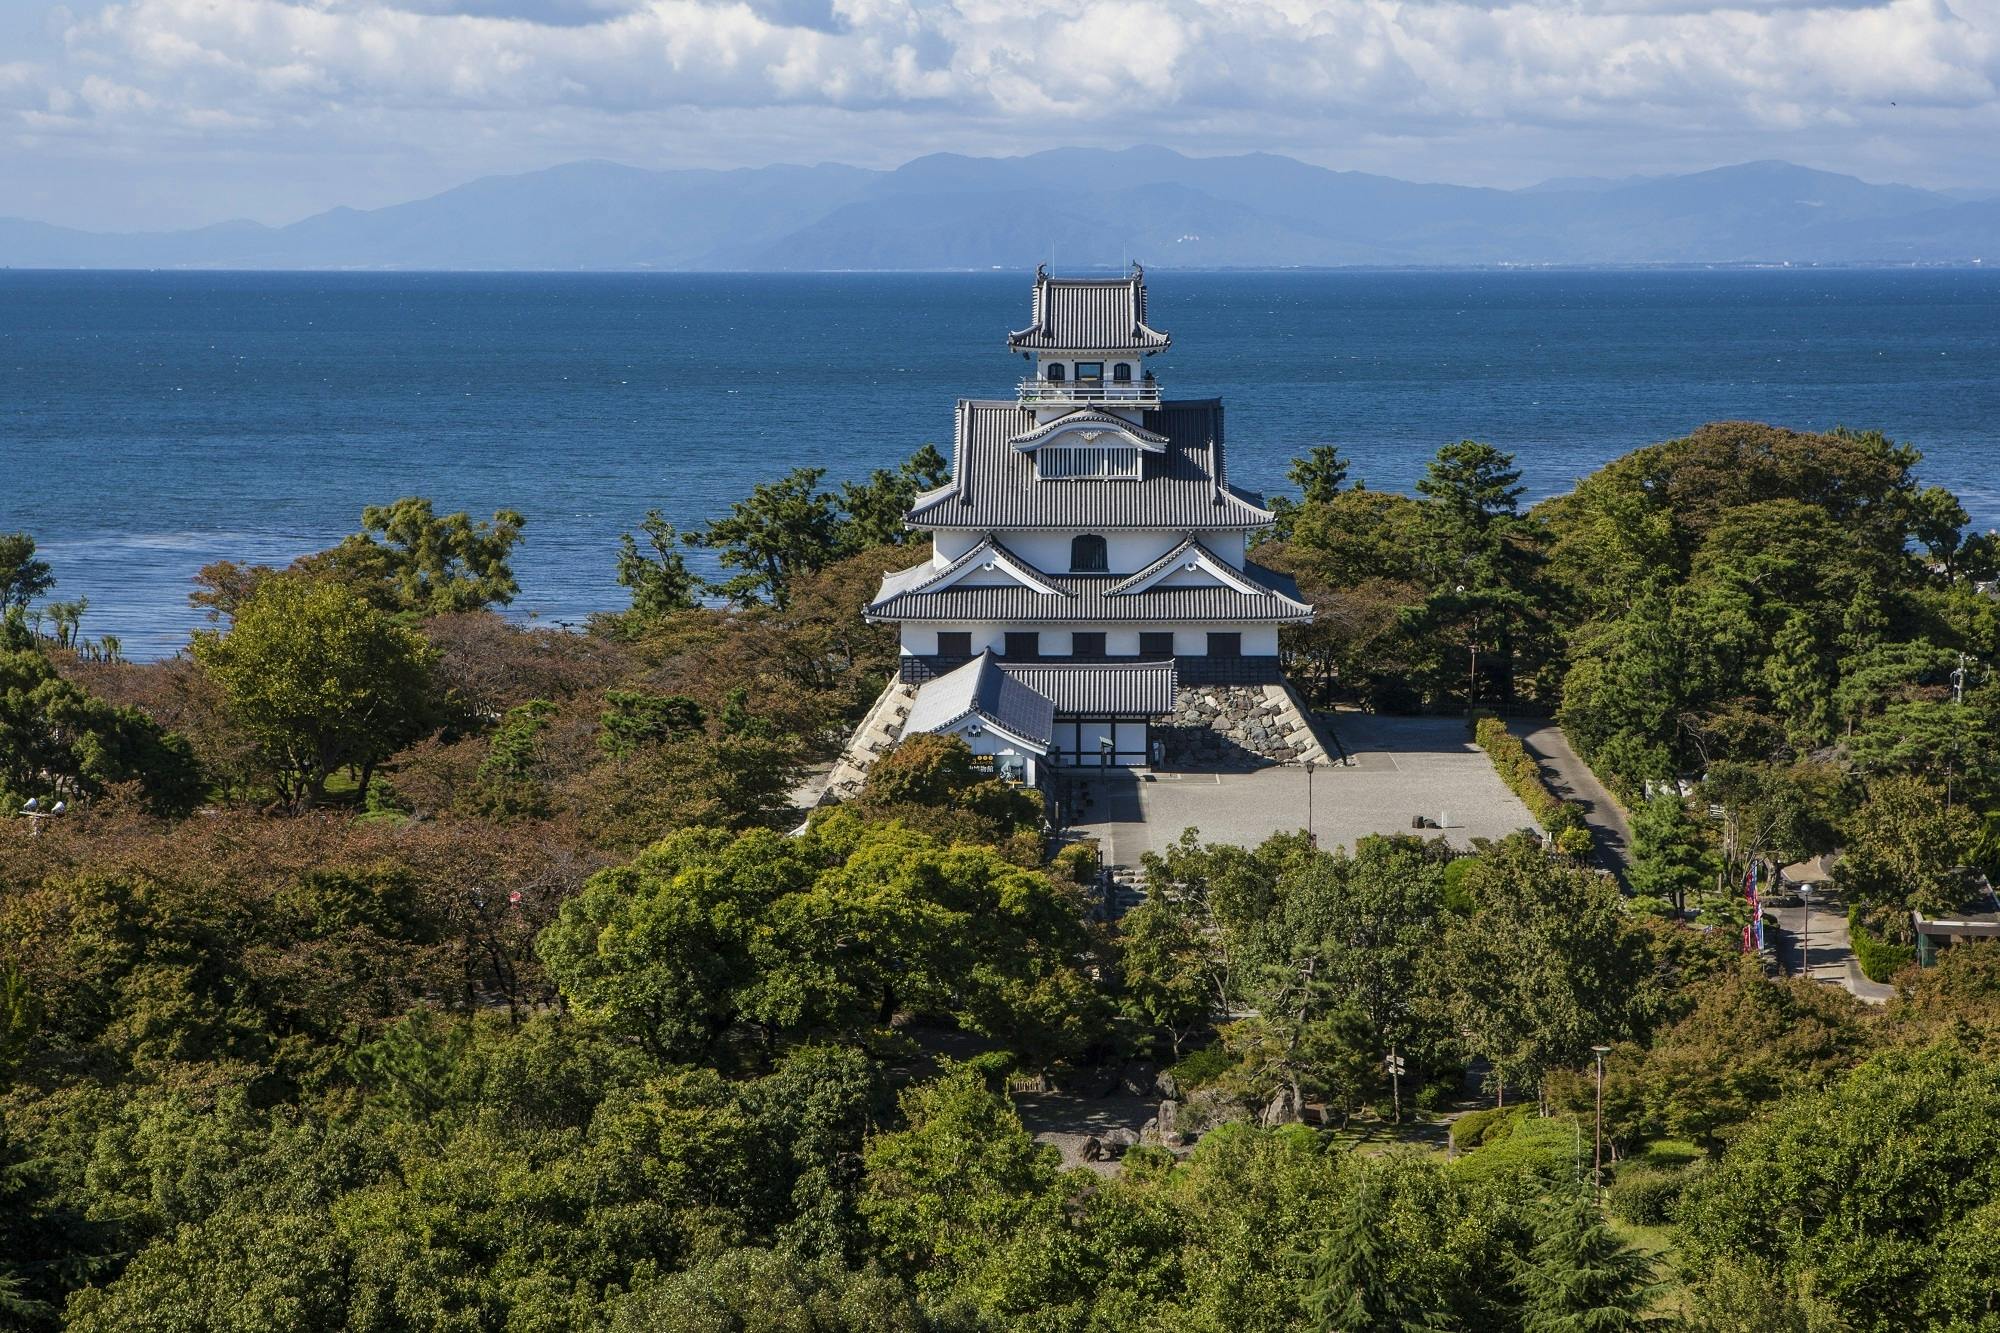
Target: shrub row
1477, 1128
1523, 776
1645, 1195
1879, 959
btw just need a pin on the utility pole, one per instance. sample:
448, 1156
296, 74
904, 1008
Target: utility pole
1597, 1168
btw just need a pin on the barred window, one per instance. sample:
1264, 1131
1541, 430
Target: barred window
1093, 462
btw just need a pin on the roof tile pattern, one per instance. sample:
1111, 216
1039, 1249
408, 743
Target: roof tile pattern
994, 485
980, 688
1098, 689
1093, 598
1089, 315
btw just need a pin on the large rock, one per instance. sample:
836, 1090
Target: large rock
1282, 1111
1136, 1079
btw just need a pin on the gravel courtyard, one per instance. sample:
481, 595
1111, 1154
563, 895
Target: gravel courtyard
1399, 767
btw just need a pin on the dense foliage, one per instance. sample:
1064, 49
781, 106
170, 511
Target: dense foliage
395, 967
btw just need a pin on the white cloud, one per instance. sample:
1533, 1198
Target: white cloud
874, 79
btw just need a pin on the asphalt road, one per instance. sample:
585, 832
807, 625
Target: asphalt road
1570, 778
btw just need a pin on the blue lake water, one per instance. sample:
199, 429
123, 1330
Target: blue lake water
150, 423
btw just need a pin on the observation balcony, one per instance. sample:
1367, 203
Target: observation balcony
1090, 393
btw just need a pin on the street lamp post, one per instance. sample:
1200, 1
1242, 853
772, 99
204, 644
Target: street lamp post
35, 814
1597, 1161
1805, 945
1311, 837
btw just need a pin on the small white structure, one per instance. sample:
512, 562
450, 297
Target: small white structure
999, 717
1089, 540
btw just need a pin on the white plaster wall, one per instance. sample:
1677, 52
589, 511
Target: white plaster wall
1259, 640
989, 743
1128, 552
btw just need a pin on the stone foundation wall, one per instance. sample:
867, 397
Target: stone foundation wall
1237, 726
878, 731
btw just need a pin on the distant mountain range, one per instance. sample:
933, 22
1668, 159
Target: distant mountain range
1076, 208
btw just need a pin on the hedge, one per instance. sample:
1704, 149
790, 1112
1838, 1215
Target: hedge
1645, 1195
1879, 959
1476, 1128
1523, 776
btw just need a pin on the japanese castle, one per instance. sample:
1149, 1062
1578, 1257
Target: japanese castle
1088, 566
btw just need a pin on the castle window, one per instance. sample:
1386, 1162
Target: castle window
1092, 371
954, 643
1079, 461
1087, 644
1156, 645
1088, 554
1121, 373
1055, 374
1025, 644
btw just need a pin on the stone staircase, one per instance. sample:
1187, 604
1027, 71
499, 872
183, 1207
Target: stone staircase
879, 730
1125, 892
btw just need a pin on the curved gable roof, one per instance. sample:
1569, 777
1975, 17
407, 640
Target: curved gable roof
1090, 419
1089, 315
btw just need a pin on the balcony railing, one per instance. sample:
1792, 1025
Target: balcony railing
1131, 393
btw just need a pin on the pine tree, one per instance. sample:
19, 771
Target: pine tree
1668, 860
1580, 1278
1354, 1290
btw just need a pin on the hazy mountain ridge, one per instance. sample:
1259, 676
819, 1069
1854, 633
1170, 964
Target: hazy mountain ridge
1075, 208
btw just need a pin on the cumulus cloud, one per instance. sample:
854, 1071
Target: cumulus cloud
1198, 73
1091, 59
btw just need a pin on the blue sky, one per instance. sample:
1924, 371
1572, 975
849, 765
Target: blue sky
157, 113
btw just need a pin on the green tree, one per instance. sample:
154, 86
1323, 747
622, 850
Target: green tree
1951, 744
826, 934
784, 530
1897, 1239
1482, 562
661, 582
1545, 967
944, 1193
930, 772
1669, 855
1355, 1285
1907, 846
759, 1291
1319, 473
409, 559
321, 680
1748, 1041
874, 509
633, 719
23, 575
57, 741
1580, 1278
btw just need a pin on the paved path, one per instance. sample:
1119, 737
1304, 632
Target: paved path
1400, 767
1570, 778
1832, 953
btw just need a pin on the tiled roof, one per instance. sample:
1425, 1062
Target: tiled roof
994, 486
981, 688
1187, 552
1089, 315
1088, 418
1099, 688
1093, 598
924, 578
